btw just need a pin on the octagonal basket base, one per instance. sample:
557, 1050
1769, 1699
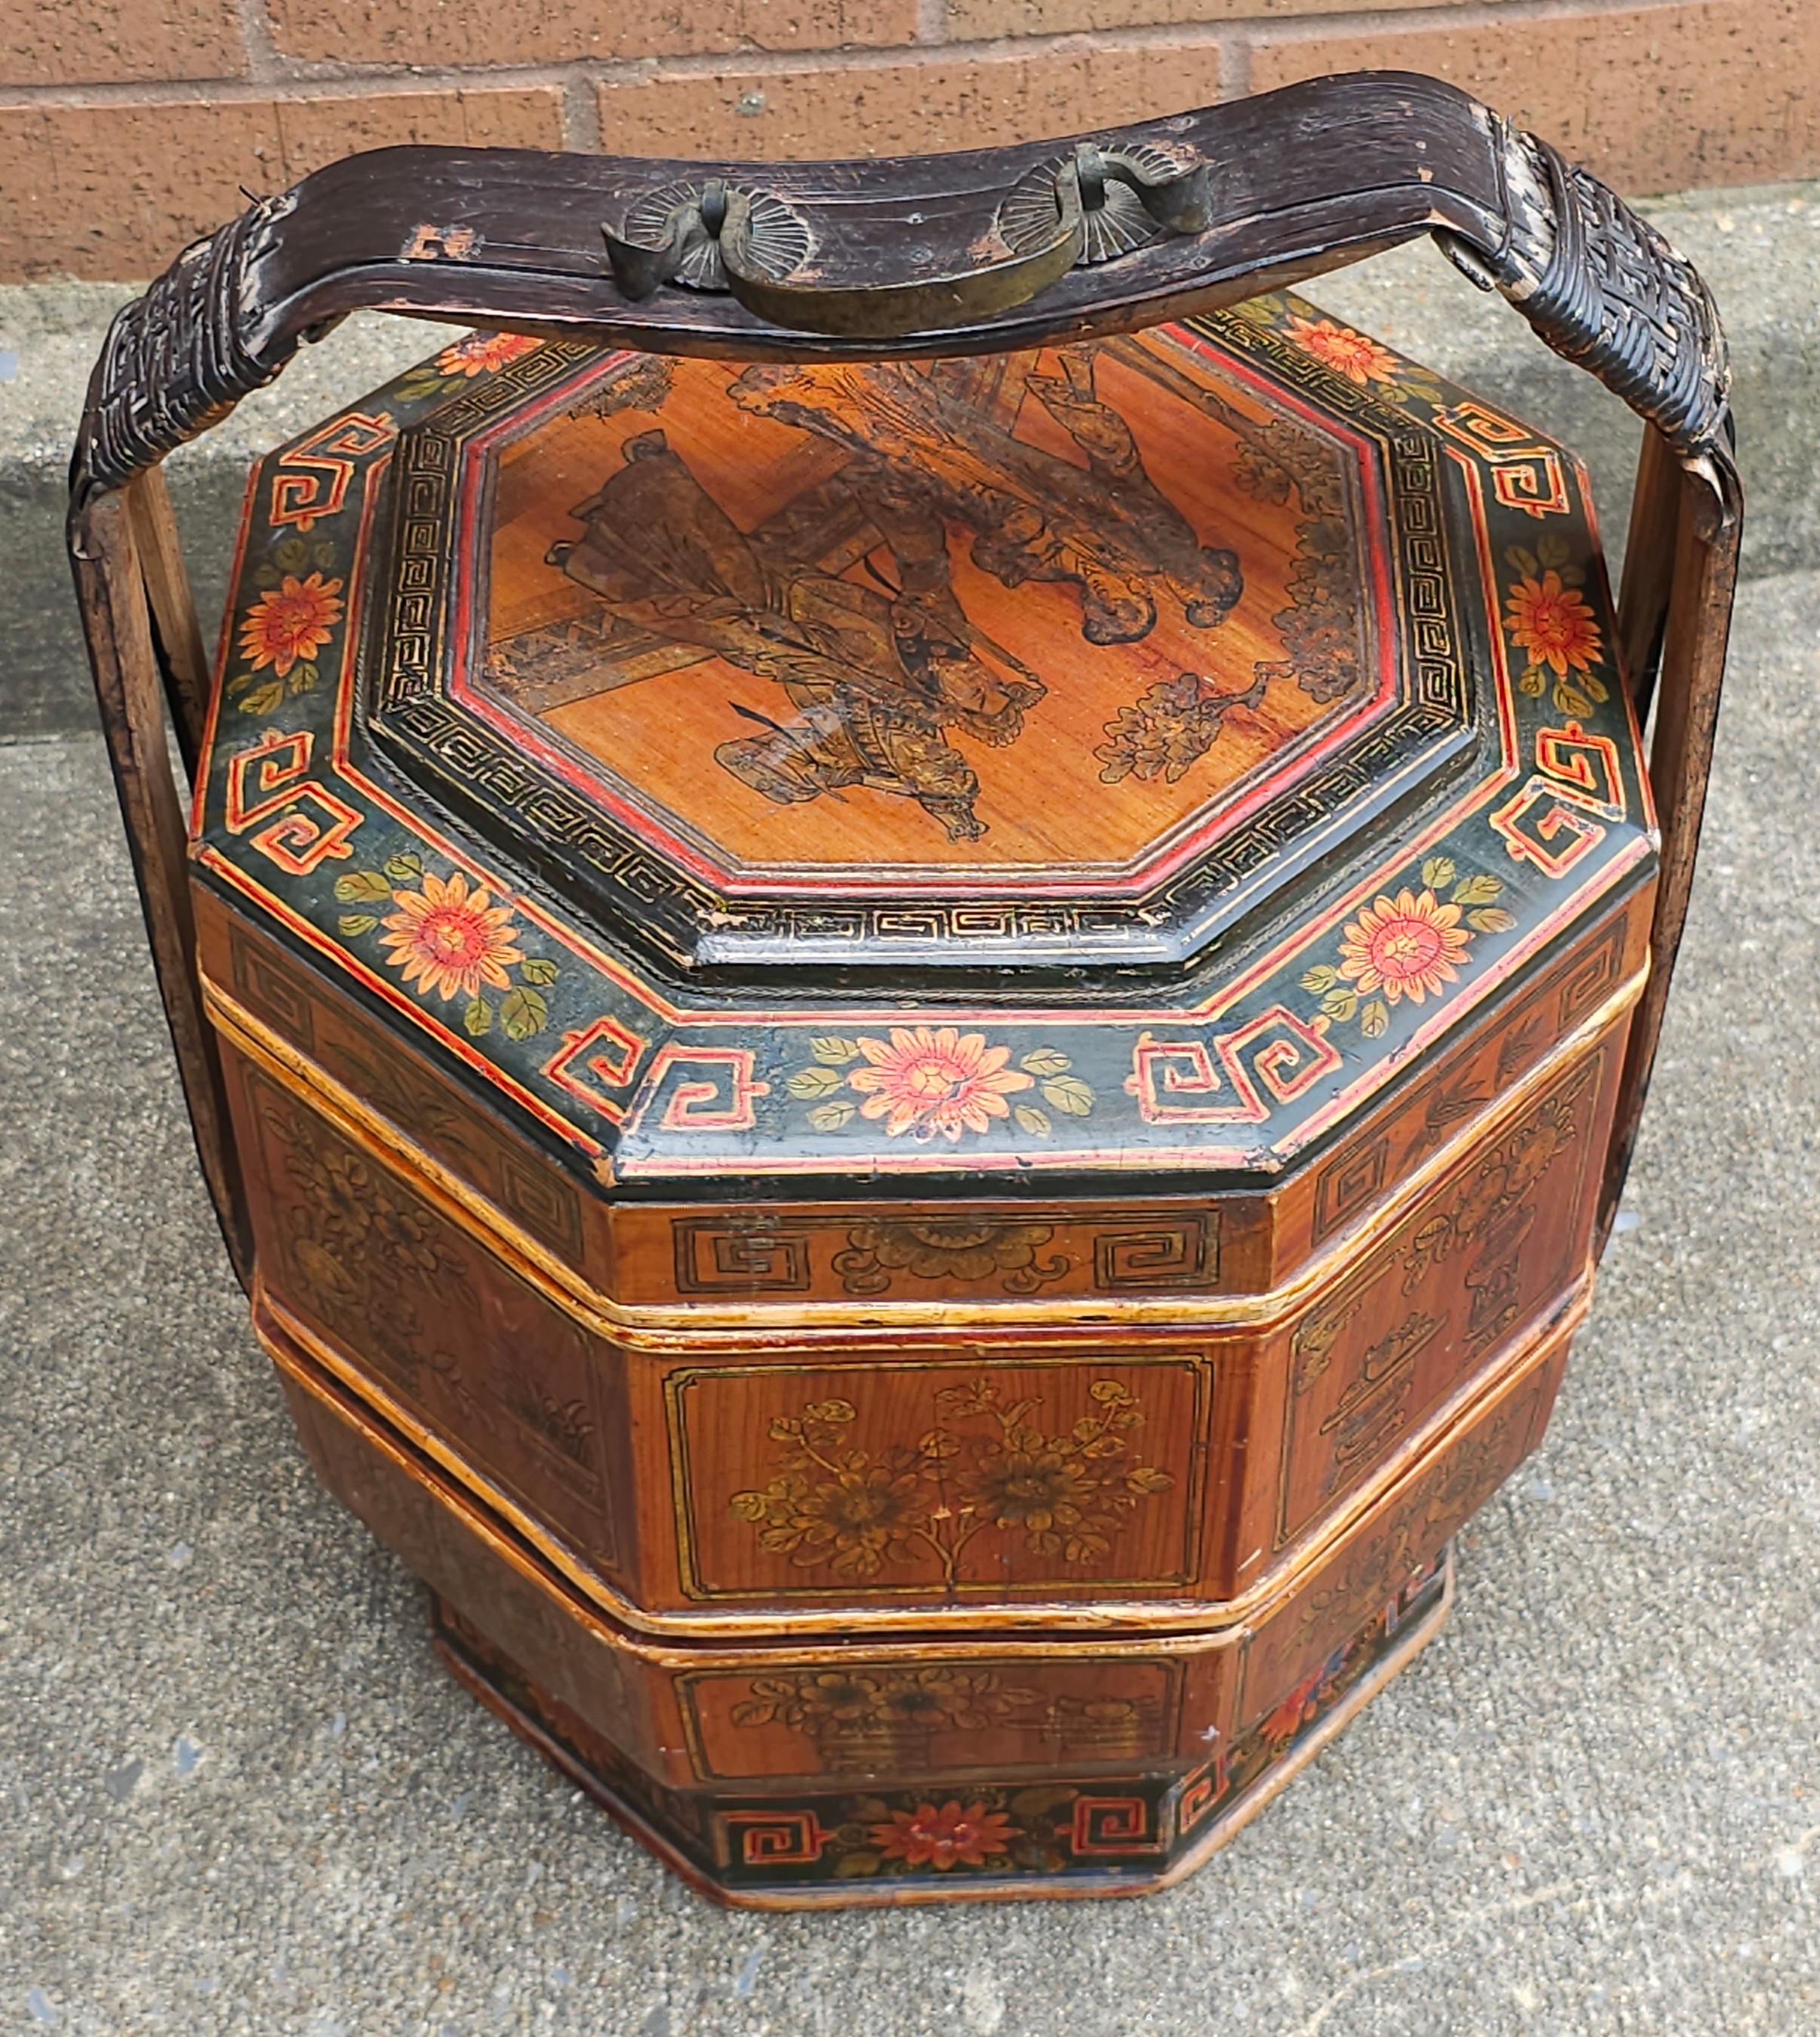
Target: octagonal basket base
799, 1848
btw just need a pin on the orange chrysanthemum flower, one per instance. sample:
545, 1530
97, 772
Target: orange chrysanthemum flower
1553, 623
1360, 360
945, 1838
451, 941
1407, 946
1301, 1707
292, 620
483, 352
937, 1081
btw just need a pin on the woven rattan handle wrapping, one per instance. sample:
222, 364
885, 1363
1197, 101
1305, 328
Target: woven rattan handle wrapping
1045, 242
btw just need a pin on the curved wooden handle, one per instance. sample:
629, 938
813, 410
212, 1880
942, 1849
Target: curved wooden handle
1041, 243
1004, 248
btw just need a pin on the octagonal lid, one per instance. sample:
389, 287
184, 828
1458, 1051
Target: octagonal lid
1120, 754
1030, 661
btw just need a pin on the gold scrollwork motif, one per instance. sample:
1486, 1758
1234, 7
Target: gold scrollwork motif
957, 1249
365, 1255
883, 1715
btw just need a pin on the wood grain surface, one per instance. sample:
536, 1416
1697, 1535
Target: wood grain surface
733, 599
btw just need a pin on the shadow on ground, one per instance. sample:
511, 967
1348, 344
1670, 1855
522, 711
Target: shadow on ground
237, 1795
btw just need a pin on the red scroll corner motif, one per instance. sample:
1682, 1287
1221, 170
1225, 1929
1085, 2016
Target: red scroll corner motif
1112, 1826
1526, 471
592, 1064
311, 479
281, 794
1176, 1081
775, 1838
718, 1096
1198, 1793
1586, 767
1559, 814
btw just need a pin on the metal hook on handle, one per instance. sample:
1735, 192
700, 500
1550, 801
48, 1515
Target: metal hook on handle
1089, 206
1124, 195
1179, 201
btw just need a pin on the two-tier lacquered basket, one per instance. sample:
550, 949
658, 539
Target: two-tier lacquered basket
920, 936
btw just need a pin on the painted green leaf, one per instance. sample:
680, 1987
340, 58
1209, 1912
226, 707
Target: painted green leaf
304, 678
1046, 1061
362, 887
1320, 980
478, 1019
831, 1116
1478, 890
863, 1860
523, 1012
1551, 549
1031, 1120
1492, 920
404, 869
1041, 1798
239, 682
1524, 561
1594, 687
1374, 1018
290, 555
357, 923
1534, 682
1341, 1004
1570, 699
1068, 1095
808, 1082
538, 968
834, 1050
261, 700
1438, 872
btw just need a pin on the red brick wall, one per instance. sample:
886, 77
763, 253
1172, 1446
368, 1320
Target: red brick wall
127, 125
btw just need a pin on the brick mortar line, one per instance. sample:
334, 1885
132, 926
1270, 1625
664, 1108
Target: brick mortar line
1235, 69
378, 79
265, 62
580, 115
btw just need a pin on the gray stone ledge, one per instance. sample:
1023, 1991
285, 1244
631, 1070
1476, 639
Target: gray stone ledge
1759, 248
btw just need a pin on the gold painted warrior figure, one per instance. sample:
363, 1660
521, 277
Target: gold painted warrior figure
1105, 526
879, 672
876, 674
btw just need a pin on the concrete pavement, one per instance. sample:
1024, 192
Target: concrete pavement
239, 1799
237, 1795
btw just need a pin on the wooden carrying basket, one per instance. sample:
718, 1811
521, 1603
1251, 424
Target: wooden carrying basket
1048, 244
1295, 184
